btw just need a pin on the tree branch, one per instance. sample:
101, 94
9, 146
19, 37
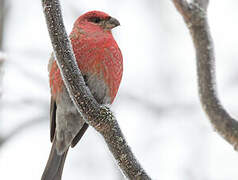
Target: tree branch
3, 14
196, 19
100, 117
2, 4
202, 3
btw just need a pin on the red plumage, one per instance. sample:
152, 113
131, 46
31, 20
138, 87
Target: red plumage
96, 51
100, 61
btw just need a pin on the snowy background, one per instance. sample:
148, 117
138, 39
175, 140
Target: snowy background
157, 106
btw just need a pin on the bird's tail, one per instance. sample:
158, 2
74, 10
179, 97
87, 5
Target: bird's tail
55, 164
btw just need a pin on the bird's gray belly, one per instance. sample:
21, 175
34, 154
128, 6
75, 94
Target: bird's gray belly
98, 88
68, 120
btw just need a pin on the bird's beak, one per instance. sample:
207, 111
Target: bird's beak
111, 23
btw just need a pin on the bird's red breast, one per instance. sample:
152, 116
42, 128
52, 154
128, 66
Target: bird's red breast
96, 52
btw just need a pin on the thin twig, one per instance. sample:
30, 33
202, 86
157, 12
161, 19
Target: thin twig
100, 117
197, 23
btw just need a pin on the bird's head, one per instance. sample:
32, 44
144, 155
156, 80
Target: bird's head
97, 19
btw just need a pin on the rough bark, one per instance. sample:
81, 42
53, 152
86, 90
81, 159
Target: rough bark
99, 117
195, 17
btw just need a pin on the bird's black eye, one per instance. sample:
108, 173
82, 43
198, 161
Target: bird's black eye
95, 19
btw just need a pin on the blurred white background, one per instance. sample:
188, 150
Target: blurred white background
157, 106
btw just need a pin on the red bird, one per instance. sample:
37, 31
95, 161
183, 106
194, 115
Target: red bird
100, 61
